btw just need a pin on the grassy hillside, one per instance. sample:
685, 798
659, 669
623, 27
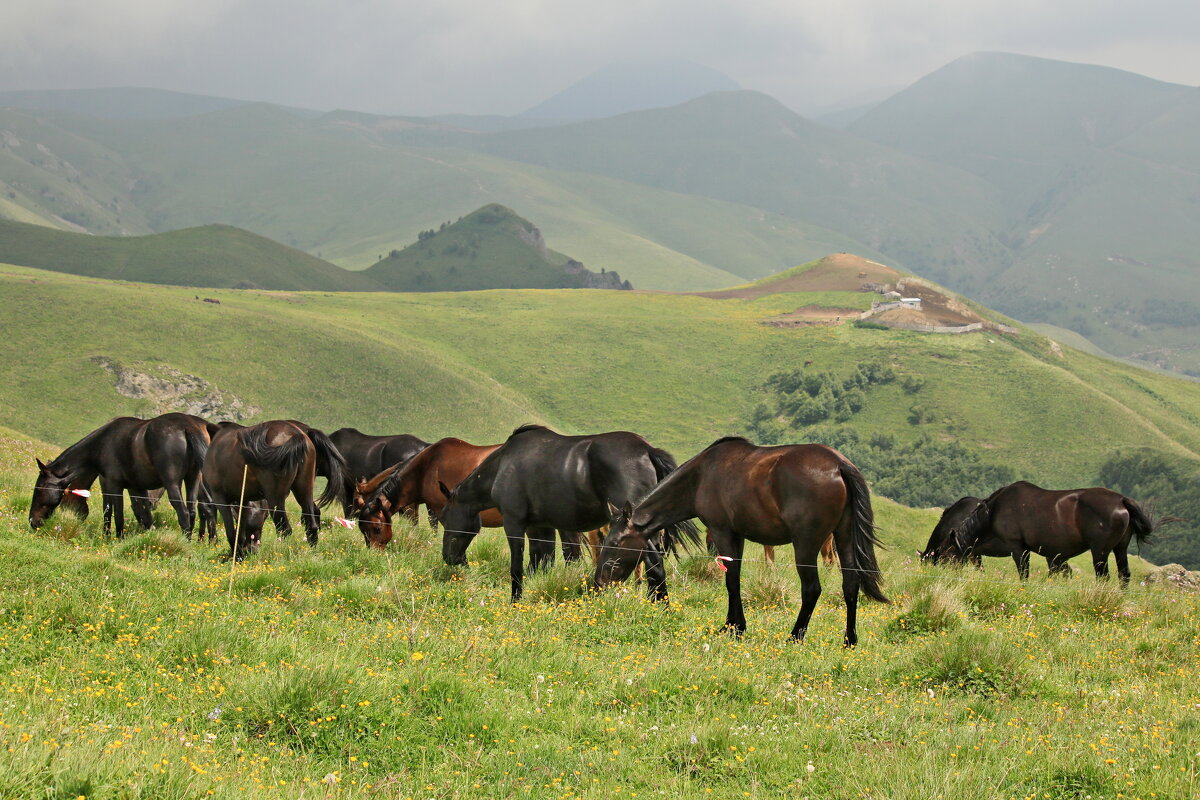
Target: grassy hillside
490, 248
681, 369
338, 672
211, 256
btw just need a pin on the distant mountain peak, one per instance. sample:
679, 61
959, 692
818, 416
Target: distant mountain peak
631, 86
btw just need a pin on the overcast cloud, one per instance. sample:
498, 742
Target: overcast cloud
503, 56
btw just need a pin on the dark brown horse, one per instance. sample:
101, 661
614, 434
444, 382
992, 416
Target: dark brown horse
540, 481
1021, 518
367, 456
274, 459
951, 520
404, 487
793, 494
127, 454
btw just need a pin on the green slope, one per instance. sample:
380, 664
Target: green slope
211, 256
681, 369
490, 248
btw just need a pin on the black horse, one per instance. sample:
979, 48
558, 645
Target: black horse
366, 456
540, 480
1022, 518
267, 462
128, 454
793, 494
952, 519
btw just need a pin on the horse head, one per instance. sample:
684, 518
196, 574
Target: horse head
48, 492
622, 549
460, 526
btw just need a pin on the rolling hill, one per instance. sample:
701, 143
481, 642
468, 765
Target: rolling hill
351, 188
209, 256
490, 248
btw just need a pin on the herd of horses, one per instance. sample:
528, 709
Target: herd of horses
632, 500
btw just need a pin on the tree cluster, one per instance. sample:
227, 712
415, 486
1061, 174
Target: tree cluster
1167, 487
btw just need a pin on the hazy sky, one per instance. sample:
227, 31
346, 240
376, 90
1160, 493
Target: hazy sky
503, 56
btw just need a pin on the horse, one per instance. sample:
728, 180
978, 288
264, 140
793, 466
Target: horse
943, 535
331, 465
1022, 518
269, 460
540, 480
366, 456
796, 494
405, 486
127, 454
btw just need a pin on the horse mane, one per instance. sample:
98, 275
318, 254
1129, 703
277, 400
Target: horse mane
971, 529
529, 426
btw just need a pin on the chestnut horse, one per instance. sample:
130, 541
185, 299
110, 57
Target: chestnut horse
366, 456
1022, 518
127, 454
797, 494
404, 487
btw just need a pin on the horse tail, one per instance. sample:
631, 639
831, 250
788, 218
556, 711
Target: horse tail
197, 442
332, 464
862, 533
1142, 522
686, 531
277, 458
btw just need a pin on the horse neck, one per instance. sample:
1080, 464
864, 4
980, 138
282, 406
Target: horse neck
672, 501
81, 461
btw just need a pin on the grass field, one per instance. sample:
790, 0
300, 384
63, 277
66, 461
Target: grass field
146, 668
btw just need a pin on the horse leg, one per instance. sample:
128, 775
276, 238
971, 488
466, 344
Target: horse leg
1100, 564
140, 506
118, 510
572, 546
593, 543
227, 516
515, 532
828, 557
1121, 554
769, 554
656, 575
731, 545
433, 520
541, 548
175, 496
279, 517
810, 587
107, 504
310, 515
1021, 557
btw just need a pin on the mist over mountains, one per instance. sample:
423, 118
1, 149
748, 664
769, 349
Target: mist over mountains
1058, 193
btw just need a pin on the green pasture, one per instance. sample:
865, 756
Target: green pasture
152, 668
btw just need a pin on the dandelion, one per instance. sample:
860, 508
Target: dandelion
330, 779
417, 656
809, 768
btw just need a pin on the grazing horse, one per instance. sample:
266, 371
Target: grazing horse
797, 494
127, 454
540, 480
943, 537
404, 487
1022, 518
270, 459
367, 456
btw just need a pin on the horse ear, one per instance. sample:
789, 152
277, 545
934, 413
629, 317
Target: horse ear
613, 511
445, 489
41, 466
627, 510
